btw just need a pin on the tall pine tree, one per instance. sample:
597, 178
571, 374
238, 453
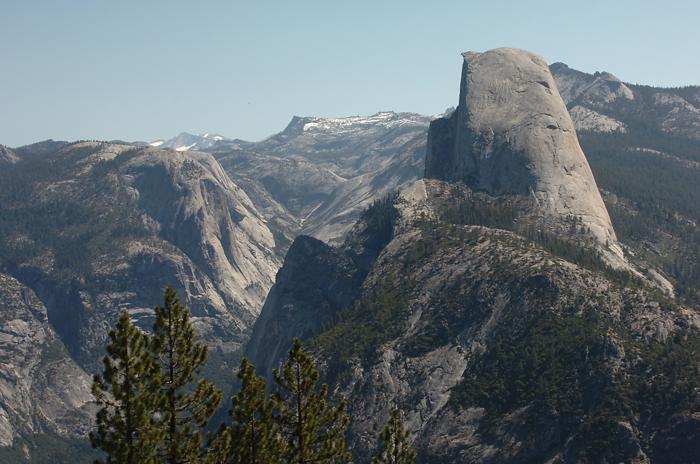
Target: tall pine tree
185, 406
312, 430
396, 448
252, 437
125, 431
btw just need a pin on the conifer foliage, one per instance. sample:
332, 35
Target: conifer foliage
183, 409
251, 438
154, 407
396, 448
124, 428
312, 430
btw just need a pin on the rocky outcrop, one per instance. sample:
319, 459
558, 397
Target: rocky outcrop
41, 389
131, 221
314, 285
586, 119
7, 155
511, 134
498, 345
674, 111
597, 89
321, 173
680, 116
495, 349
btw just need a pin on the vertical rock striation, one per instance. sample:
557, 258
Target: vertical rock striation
512, 135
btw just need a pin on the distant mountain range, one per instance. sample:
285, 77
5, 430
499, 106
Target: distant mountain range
88, 229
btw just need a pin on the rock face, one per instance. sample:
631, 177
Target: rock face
586, 119
674, 111
319, 174
96, 228
7, 155
316, 283
589, 89
41, 389
681, 116
499, 345
511, 134
295, 306
495, 349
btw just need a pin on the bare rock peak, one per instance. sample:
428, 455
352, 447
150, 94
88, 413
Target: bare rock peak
597, 89
512, 135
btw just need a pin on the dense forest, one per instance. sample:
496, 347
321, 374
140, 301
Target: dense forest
653, 198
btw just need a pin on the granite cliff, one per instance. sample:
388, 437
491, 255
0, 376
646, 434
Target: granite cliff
511, 134
500, 343
95, 228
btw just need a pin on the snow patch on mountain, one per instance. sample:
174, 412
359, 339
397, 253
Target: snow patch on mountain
191, 142
353, 124
185, 147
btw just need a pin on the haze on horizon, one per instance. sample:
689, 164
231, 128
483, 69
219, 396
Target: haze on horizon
144, 70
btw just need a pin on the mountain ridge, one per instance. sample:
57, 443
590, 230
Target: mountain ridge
498, 343
322, 181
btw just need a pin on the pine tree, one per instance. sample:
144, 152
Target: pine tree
396, 448
251, 438
312, 430
185, 407
125, 431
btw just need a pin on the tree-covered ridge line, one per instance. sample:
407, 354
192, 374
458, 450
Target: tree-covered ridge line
653, 199
155, 406
552, 353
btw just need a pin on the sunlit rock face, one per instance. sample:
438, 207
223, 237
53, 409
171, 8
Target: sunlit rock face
512, 134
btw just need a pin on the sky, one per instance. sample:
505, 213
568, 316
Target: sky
148, 69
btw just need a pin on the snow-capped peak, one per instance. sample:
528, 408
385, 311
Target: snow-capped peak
186, 141
185, 147
385, 119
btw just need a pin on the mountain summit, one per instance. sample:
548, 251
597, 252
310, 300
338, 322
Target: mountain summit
475, 300
511, 134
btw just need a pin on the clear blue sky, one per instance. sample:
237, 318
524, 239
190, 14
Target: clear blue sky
140, 70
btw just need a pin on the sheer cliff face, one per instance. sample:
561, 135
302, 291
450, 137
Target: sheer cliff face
512, 134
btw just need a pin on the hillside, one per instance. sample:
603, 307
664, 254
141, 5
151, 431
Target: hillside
467, 302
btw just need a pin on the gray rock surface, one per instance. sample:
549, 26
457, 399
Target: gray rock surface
586, 119
512, 134
314, 285
436, 298
319, 174
597, 89
673, 111
144, 219
41, 388
680, 116
7, 155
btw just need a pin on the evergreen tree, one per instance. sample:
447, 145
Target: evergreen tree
396, 448
251, 438
185, 407
125, 431
312, 430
